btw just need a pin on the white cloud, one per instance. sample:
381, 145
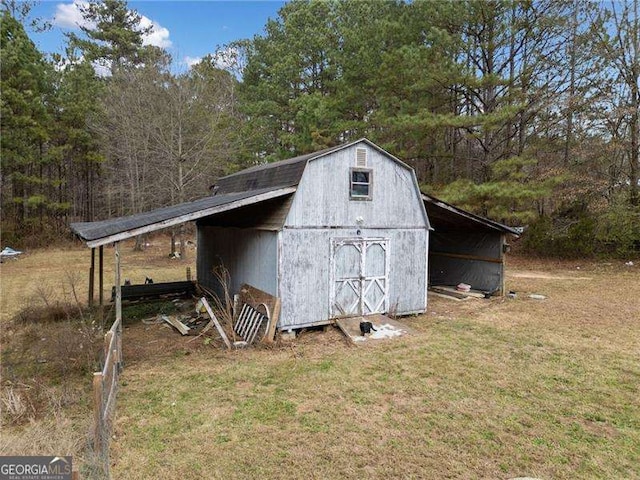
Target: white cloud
102, 68
158, 36
191, 61
68, 15
226, 59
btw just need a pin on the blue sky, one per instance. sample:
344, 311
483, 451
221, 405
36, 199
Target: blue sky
187, 29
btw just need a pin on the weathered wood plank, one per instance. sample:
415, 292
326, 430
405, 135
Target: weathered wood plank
223, 335
174, 322
468, 257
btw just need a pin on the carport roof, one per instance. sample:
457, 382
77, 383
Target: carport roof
442, 213
121, 228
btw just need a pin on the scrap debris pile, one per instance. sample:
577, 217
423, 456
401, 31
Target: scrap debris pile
254, 319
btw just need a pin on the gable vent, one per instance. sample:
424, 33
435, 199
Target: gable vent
361, 157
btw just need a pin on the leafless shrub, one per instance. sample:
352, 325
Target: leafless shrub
14, 403
224, 306
45, 293
73, 278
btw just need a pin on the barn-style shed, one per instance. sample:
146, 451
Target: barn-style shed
342, 231
351, 239
466, 248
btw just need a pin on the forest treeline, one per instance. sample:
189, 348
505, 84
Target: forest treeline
524, 111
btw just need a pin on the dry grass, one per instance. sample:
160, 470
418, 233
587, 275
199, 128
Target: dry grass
46, 273
50, 340
486, 389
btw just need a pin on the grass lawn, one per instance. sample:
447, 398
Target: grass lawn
46, 374
485, 389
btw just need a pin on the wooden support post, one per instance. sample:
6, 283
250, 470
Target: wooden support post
118, 300
101, 275
117, 282
92, 276
98, 427
503, 242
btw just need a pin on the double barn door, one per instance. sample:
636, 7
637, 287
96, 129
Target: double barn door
360, 276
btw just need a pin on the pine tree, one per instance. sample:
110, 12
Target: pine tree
113, 37
24, 123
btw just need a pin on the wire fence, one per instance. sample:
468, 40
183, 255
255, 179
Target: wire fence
105, 389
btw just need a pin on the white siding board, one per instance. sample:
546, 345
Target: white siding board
305, 272
407, 278
322, 198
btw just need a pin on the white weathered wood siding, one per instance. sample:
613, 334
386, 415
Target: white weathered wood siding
322, 210
322, 198
305, 275
250, 256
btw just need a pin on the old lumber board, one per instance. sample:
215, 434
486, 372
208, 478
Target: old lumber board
449, 293
216, 322
150, 290
177, 324
467, 257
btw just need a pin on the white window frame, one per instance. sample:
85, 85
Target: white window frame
369, 184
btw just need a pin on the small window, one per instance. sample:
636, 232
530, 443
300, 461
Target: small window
361, 183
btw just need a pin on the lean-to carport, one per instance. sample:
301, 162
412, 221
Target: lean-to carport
101, 233
466, 248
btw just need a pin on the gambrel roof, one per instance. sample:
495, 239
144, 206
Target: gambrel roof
283, 173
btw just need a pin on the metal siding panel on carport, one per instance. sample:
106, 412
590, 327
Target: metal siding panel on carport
465, 248
250, 256
447, 269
